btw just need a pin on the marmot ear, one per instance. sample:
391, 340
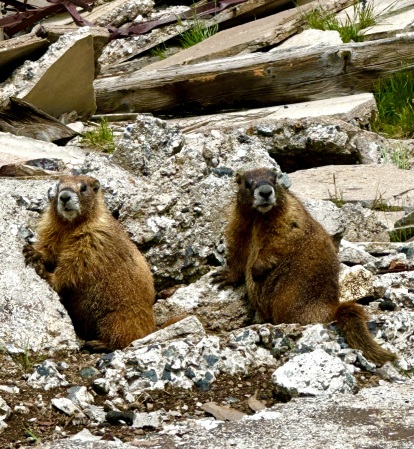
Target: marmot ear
52, 192
96, 186
283, 180
238, 177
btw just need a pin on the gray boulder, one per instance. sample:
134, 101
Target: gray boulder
312, 374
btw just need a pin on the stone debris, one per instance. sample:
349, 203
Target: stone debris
54, 84
312, 374
170, 183
222, 413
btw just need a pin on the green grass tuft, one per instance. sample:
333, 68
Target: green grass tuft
196, 34
395, 97
159, 51
101, 138
363, 17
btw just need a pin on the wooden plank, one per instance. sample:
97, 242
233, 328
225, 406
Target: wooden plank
251, 36
23, 119
256, 80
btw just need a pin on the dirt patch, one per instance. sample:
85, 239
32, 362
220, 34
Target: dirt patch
41, 421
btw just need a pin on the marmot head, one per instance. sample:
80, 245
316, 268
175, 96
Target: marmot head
259, 188
75, 197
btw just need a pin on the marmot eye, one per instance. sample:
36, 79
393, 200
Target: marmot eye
83, 188
247, 184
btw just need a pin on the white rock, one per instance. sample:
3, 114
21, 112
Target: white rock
152, 420
355, 283
5, 410
313, 374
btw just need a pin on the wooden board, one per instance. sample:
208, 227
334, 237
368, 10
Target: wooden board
256, 80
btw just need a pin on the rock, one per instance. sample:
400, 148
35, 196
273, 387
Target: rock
355, 109
328, 215
119, 12
362, 224
67, 406
311, 38
41, 323
312, 374
46, 376
368, 183
355, 283
316, 336
152, 420
321, 141
18, 150
247, 37
80, 396
187, 327
85, 435
254, 404
5, 410
351, 254
146, 145
53, 83
222, 413
186, 362
218, 309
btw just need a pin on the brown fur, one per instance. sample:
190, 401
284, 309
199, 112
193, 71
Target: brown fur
289, 263
102, 279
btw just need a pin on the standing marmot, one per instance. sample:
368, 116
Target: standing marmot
102, 279
288, 262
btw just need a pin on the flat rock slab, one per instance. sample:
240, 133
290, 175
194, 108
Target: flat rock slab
369, 183
61, 80
16, 149
360, 107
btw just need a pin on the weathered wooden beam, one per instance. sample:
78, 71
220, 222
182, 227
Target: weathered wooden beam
256, 80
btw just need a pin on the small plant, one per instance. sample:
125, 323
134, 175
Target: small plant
101, 138
337, 196
398, 156
196, 34
363, 17
379, 203
29, 433
159, 51
394, 97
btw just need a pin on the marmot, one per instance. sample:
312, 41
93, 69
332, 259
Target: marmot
288, 262
102, 279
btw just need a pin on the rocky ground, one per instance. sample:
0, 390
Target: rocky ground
219, 378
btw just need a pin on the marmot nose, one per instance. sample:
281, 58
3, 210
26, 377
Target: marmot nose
65, 197
265, 191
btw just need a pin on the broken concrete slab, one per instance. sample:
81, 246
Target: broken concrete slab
52, 33
356, 108
16, 150
373, 185
311, 38
61, 80
13, 52
248, 37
